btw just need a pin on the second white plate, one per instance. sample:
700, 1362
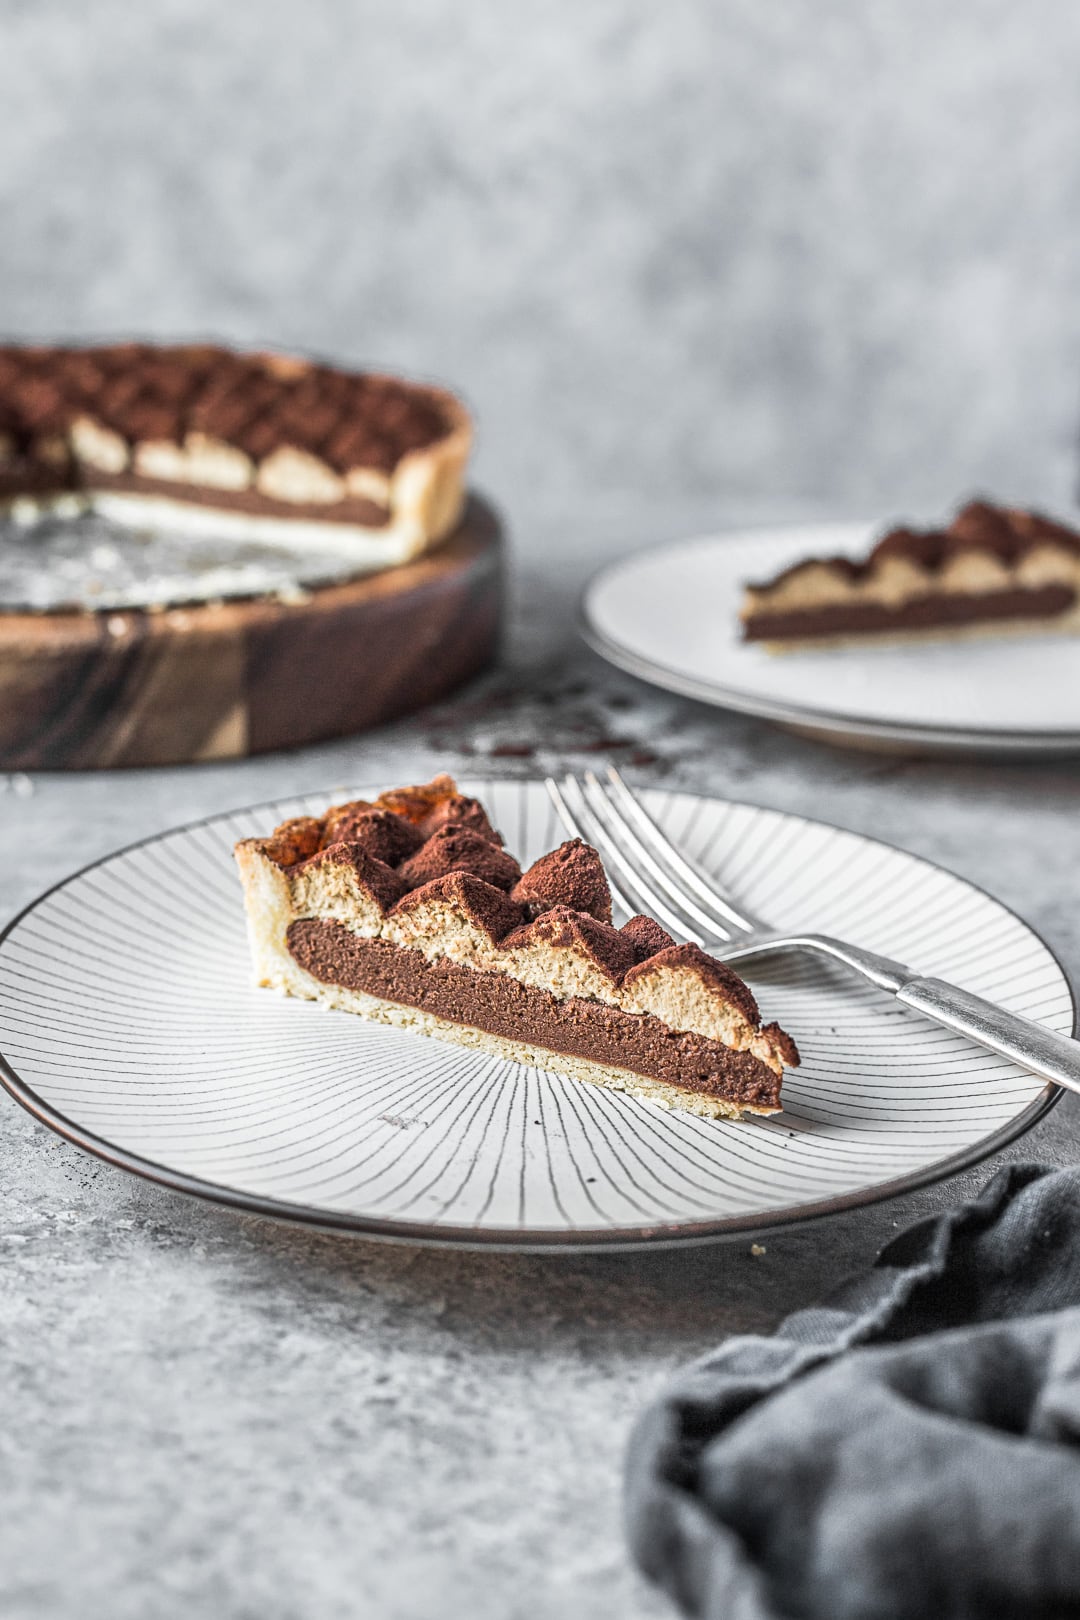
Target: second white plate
670, 616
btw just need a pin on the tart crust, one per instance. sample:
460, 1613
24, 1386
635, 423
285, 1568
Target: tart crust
415, 895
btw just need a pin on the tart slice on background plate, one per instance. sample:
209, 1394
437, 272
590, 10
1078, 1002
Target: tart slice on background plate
993, 570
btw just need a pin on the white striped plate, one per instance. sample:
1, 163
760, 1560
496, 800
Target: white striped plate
128, 1023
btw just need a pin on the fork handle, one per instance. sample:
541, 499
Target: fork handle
1032, 1046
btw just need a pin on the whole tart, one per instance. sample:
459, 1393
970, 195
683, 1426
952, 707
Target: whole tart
258, 446
206, 553
993, 569
408, 910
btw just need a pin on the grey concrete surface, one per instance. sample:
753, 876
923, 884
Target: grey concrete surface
692, 263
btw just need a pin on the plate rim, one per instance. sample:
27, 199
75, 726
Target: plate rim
582, 1240
982, 739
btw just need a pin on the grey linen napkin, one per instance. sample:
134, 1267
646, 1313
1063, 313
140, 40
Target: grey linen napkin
910, 1447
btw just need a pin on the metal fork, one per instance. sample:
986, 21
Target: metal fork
648, 873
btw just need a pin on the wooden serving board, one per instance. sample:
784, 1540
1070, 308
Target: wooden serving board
131, 687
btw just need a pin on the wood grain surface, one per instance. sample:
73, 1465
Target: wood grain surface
209, 682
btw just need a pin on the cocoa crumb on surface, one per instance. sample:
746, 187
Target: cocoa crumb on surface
603, 745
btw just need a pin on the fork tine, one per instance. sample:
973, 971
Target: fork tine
630, 889
635, 883
623, 833
703, 886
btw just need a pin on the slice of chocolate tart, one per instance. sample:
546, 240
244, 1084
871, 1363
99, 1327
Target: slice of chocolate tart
993, 570
409, 911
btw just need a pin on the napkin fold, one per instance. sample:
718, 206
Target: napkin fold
910, 1447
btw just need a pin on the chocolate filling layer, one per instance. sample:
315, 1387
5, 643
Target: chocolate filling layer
922, 613
500, 1005
354, 509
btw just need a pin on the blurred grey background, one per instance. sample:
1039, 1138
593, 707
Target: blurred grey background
695, 263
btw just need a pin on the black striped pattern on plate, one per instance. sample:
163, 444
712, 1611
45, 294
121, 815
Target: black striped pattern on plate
129, 1022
